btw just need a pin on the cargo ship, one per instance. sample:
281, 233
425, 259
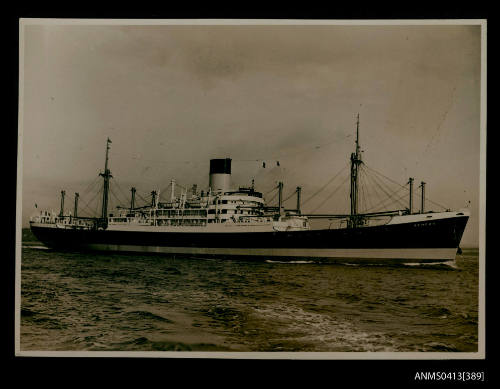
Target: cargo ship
228, 222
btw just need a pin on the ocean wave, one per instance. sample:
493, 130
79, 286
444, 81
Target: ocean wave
271, 261
437, 346
28, 316
145, 315
438, 312
246, 305
144, 344
323, 331
27, 312
172, 270
434, 265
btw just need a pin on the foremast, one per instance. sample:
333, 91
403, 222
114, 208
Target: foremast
105, 193
355, 219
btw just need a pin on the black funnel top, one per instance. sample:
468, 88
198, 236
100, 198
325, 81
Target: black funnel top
220, 166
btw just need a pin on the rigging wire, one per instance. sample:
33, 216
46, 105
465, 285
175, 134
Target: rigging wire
363, 195
142, 198
400, 202
376, 186
427, 199
384, 187
328, 198
325, 185
179, 185
290, 196
389, 195
387, 178
126, 197
91, 186
119, 202
86, 205
165, 189
401, 197
433, 202
101, 190
275, 195
382, 205
272, 190
382, 199
364, 185
276, 158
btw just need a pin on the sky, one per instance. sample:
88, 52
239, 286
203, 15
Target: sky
171, 97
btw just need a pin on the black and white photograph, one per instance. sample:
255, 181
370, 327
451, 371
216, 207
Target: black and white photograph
259, 189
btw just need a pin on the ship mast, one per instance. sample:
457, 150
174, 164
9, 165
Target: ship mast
355, 162
106, 175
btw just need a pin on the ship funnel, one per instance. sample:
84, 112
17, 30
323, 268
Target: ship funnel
220, 175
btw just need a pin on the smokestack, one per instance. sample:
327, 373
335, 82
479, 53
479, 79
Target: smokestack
220, 175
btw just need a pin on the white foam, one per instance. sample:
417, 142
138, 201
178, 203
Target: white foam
36, 247
319, 328
271, 261
452, 264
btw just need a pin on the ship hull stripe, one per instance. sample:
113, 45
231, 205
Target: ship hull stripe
421, 254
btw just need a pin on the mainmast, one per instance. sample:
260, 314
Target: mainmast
355, 162
106, 175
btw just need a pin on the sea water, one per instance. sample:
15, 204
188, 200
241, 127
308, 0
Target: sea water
76, 301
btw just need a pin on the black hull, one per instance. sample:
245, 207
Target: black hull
432, 235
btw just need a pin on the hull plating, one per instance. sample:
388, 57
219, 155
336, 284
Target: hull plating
426, 241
